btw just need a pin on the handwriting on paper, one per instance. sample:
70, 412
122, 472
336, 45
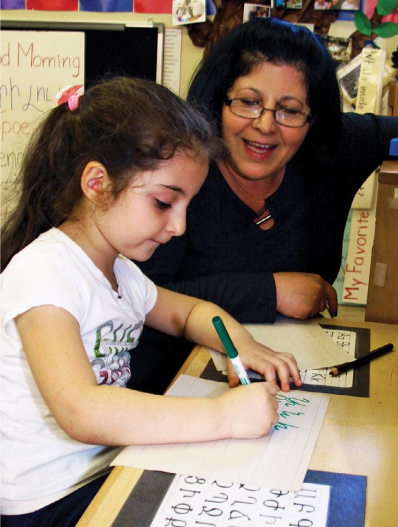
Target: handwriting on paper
35, 65
286, 415
278, 460
346, 340
193, 501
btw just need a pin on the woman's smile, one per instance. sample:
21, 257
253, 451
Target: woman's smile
258, 148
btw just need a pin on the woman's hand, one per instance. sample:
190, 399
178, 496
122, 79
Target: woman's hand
276, 367
303, 295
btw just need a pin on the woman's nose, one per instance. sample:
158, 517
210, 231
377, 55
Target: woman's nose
266, 122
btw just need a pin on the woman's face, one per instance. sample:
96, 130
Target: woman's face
260, 148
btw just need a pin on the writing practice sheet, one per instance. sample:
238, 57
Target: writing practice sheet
278, 460
345, 339
306, 340
197, 501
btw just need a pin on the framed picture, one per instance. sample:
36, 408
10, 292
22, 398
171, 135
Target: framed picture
338, 5
294, 4
251, 11
188, 12
339, 48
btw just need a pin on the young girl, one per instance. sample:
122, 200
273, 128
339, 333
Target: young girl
108, 174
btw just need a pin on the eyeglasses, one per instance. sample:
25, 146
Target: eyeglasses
251, 109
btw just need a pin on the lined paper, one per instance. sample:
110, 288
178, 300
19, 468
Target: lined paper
306, 340
279, 460
344, 339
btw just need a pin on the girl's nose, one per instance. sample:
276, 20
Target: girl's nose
177, 224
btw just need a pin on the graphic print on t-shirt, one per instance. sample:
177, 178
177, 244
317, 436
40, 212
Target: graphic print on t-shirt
112, 352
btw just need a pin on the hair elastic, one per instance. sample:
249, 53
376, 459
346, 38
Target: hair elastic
71, 95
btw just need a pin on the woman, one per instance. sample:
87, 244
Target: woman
264, 234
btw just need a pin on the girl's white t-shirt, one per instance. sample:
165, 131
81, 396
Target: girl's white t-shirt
39, 462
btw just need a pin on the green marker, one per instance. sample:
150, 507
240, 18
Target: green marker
231, 350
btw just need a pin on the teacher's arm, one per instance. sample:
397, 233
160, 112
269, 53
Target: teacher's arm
303, 295
248, 297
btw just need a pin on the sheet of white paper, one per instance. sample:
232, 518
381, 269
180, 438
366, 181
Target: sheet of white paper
278, 460
320, 377
197, 501
346, 340
305, 339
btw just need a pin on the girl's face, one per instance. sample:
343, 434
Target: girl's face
260, 148
153, 208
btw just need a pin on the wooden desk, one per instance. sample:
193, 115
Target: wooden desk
358, 436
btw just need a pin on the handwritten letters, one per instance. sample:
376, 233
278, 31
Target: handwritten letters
278, 460
35, 65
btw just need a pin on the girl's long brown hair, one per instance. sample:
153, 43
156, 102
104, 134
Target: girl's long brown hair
127, 124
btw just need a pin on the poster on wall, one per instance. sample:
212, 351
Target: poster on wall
35, 65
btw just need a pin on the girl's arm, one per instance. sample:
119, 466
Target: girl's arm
181, 315
109, 415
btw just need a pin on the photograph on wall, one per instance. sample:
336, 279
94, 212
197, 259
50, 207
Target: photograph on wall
338, 5
349, 77
188, 12
322, 4
294, 4
251, 11
339, 48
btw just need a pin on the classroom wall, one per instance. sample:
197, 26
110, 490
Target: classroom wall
190, 55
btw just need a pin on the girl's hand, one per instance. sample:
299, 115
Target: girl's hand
178, 315
248, 412
263, 360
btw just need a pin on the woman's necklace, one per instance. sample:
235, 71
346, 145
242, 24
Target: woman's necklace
263, 218
263, 215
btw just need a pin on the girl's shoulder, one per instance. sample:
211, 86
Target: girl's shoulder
52, 248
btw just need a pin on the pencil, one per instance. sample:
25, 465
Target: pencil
337, 370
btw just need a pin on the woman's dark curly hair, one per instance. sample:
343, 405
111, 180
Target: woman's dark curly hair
280, 43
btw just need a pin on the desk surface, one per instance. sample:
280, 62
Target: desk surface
358, 436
